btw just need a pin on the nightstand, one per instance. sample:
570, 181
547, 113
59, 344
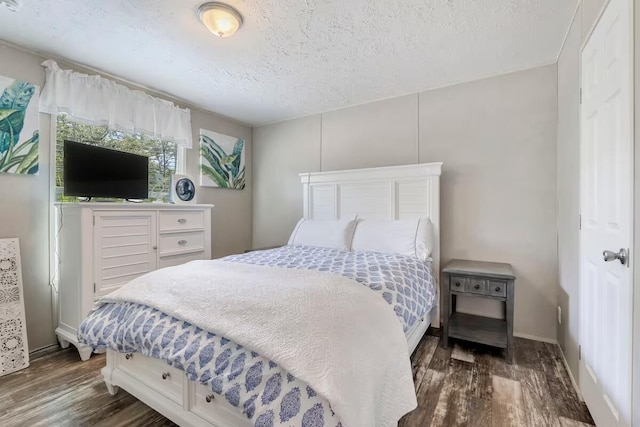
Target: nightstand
479, 279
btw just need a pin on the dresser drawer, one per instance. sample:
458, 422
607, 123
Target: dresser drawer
173, 260
475, 286
458, 283
181, 220
497, 288
155, 373
181, 243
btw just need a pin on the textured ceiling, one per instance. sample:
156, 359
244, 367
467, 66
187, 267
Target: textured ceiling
294, 57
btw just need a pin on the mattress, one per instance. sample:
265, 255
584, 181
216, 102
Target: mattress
263, 391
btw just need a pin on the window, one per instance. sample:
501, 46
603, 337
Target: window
163, 155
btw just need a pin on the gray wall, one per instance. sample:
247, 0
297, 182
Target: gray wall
231, 229
24, 201
24, 211
497, 139
568, 145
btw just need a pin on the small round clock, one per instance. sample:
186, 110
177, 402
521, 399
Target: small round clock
185, 189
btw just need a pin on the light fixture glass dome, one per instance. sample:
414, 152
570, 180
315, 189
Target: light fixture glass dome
221, 19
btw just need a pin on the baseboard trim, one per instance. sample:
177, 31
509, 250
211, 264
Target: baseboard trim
571, 377
535, 338
44, 351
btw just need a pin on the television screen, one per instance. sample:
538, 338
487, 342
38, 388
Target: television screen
91, 171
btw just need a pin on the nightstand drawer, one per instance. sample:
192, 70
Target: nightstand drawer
476, 286
458, 283
497, 288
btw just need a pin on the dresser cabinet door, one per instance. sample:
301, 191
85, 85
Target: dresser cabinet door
124, 248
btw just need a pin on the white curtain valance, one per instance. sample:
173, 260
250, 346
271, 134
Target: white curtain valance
98, 101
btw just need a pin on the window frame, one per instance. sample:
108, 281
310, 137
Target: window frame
181, 161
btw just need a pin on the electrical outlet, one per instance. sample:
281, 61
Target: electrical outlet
559, 315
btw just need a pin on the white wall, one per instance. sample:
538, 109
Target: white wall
497, 138
24, 201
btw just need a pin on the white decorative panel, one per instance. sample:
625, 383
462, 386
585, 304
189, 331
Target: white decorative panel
14, 353
323, 202
367, 200
412, 199
612, 157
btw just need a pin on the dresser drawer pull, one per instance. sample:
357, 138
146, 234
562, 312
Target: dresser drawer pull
182, 220
457, 284
182, 242
166, 375
497, 288
128, 356
209, 398
476, 287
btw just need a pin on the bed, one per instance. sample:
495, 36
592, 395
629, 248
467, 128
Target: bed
193, 374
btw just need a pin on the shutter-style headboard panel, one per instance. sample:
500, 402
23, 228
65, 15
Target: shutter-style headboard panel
394, 192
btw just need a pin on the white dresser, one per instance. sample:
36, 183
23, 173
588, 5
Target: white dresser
103, 246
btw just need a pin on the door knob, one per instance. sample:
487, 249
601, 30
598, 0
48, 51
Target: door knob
622, 255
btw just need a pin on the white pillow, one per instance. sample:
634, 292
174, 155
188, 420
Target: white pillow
411, 237
323, 233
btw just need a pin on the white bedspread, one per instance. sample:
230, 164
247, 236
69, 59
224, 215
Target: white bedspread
331, 332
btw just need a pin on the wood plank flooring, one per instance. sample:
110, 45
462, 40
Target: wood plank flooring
466, 385
472, 385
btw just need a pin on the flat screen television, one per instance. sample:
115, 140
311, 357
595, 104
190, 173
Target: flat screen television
90, 171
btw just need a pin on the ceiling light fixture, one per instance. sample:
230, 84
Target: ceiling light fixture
221, 19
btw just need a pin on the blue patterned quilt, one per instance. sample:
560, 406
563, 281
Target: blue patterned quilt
263, 391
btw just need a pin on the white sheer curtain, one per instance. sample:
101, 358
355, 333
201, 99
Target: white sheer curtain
98, 101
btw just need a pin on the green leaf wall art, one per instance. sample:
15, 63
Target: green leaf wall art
221, 160
19, 135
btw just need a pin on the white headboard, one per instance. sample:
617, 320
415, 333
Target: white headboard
394, 192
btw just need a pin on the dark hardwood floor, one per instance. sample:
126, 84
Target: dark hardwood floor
466, 385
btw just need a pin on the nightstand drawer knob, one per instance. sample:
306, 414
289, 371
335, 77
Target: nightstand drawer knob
209, 398
476, 287
457, 283
166, 375
128, 356
182, 221
497, 288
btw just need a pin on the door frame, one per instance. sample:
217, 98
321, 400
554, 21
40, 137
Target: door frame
635, 199
635, 411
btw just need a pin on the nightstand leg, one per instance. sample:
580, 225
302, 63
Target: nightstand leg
446, 305
509, 318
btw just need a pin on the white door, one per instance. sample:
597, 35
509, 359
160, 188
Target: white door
607, 217
125, 248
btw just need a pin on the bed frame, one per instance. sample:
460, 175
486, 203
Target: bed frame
396, 192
